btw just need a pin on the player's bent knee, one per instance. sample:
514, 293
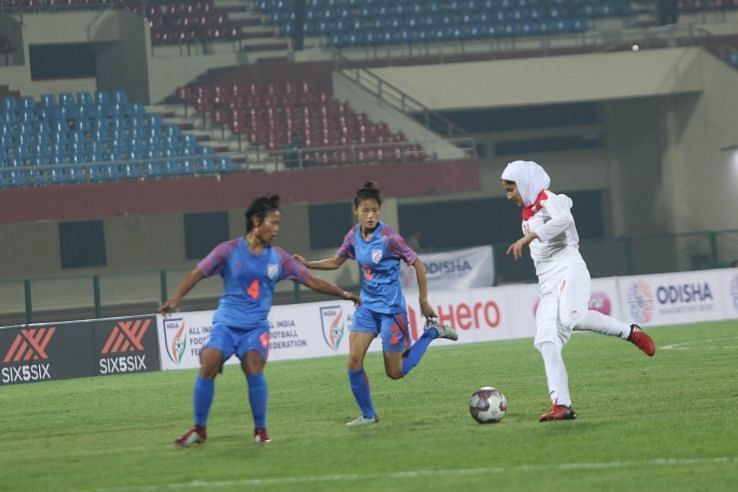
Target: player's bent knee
544, 344
355, 363
394, 374
209, 371
253, 363
571, 319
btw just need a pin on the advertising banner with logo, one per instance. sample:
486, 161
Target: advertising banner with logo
674, 298
78, 349
297, 331
458, 269
125, 345
477, 315
322, 329
524, 299
44, 353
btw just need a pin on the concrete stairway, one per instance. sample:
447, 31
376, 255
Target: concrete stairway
260, 41
245, 156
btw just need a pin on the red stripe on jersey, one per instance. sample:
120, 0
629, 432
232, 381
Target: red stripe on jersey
530, 211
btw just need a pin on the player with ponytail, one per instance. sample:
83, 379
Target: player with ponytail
378, 250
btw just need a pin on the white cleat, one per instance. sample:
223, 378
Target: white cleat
444, 331
363, 421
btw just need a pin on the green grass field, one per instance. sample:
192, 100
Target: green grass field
667, 423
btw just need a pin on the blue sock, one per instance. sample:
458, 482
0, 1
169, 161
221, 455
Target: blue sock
412, 357
360, 388
202, 399
258, 395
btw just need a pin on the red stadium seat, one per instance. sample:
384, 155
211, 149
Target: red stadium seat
268, 113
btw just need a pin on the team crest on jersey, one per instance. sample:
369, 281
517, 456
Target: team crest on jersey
376, 255
272, 270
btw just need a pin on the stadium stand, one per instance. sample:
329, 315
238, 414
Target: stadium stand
172, 22
185, 21
286, 116
75, 138
350, 23
44, 5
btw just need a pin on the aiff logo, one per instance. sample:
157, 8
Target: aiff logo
175, 338
333, 323
640, 301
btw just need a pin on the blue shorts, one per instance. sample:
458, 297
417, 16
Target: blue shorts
235, 341
392, 328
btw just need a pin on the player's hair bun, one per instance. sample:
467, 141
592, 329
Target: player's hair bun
370, 191
273, 200
260, 207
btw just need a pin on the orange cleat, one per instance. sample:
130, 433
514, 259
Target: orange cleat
196, 435
558, 412
639, 338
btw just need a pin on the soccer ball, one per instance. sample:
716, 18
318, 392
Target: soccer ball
488, 405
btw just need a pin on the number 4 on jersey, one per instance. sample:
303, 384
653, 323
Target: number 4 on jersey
253, 290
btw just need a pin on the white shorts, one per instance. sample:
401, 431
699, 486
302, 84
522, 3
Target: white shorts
565, 293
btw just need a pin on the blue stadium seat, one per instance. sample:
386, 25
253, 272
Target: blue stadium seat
40, 143
85, 98
27, 103
225, 164
98, 172
102, 97
67, 99
119, 97
10, 105
372, 22
48, 100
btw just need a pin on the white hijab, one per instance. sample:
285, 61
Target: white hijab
530, 178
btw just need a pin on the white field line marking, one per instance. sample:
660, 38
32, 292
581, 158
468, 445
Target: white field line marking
682, 346
257, 482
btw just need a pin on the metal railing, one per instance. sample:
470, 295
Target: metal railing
120, 294
397, 99
117, 170
53, 6
638, 255
290, 158
529, 45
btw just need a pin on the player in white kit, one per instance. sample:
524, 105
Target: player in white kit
563, 278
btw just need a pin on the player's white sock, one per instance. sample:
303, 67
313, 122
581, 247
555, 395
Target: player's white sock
558, 379
602, 323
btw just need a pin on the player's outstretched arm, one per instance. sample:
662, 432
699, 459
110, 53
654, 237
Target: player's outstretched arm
188, 282
516, 248
320, 285
420, 275
324, 264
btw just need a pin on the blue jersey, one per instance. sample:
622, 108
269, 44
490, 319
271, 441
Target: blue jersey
379, 259
248, 280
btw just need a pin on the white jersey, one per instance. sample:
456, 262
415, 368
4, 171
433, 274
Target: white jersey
558, 241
